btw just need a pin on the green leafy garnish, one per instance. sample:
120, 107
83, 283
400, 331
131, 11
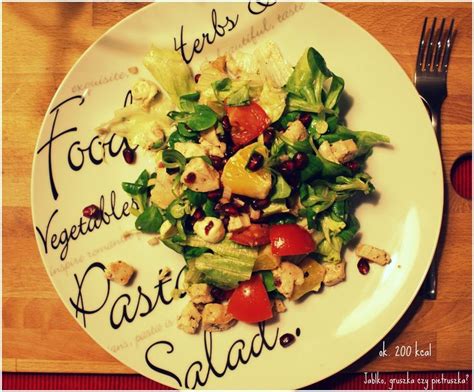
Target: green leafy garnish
173, 159
281, 189
196, 199
233, 93
190, 252
268, 280
200, 119
150, 220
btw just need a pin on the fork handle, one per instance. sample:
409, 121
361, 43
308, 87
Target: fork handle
436, 122
429, 286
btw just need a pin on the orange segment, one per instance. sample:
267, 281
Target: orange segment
243, 182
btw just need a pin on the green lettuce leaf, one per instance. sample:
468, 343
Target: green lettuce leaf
223, 271
171, 72
365, 140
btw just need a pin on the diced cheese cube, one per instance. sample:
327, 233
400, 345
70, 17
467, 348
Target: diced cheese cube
189, 319
373, 254
238, 222
296, 131
335, 273
119, 272
200, 293
200, 177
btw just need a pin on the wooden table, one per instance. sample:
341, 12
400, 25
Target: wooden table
40, 44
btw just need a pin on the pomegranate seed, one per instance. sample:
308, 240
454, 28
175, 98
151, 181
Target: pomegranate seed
244, 209
292, 179
190, 178
217, 162
287, 168
215, 195
91, 211
287, 339
226, 124
260, 204
129, 155
363, 266
300, 160
352, 165
231, 149
222, 137
197, 77
188, 224
199, 215
255, 162
219, 295
225, 221
306, 119
230, 209
268, 137
172, 170
208, 227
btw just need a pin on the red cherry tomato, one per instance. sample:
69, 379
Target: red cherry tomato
254, 235
249, 301
290, 239
248, 122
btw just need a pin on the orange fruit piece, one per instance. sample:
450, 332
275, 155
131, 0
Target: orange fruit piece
244, 182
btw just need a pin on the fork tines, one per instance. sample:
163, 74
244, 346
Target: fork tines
433, 54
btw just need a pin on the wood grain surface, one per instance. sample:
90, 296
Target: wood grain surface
40, 44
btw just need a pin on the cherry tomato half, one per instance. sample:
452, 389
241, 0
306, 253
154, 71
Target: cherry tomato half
290, 239
248, 122
249, 301
254, 235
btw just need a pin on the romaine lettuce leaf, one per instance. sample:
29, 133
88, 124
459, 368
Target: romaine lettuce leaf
273, 101
223, 271
225, 248
171, 72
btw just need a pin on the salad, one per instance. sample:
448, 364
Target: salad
255, 174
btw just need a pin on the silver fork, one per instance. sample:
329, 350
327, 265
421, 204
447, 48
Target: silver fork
430, 81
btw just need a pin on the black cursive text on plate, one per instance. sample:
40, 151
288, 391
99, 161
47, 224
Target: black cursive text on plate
257, 7
219, 29
85, 226
120, 308
79, 306
123, 308
95, 150
53, 137
198, 373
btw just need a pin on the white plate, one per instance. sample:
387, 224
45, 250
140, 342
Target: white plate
339, 325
